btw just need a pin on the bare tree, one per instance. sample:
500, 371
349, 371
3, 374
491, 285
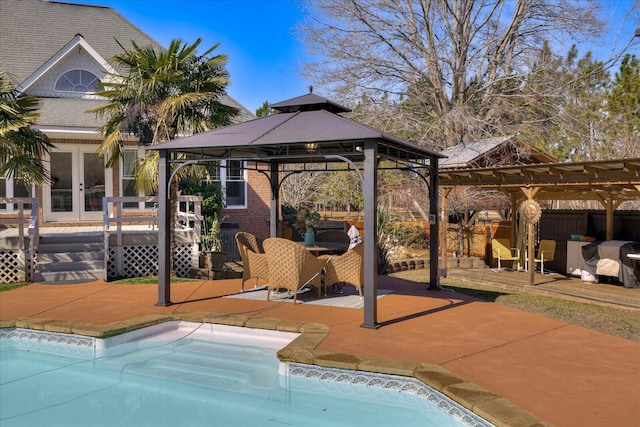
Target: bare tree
453, 69
300, 185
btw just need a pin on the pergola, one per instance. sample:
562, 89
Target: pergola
308, 129
609, 182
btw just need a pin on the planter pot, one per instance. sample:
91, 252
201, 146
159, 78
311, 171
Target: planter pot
216, 260
309, 237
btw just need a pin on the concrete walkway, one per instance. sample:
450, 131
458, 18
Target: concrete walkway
488, 357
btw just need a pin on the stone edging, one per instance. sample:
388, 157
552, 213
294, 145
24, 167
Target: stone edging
462, 263
489, 406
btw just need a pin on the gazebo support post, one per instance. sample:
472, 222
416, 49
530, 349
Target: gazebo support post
444, 240
434, 276
370, 235
164, 230
274, 179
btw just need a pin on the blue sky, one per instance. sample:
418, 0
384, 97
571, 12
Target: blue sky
259, 36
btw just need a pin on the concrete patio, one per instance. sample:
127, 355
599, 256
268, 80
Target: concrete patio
509, 366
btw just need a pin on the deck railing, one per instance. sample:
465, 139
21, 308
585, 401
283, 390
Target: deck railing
188, 217
25, 218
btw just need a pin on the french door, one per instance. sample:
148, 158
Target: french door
78, 184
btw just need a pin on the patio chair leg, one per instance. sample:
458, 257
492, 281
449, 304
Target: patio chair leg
498, 269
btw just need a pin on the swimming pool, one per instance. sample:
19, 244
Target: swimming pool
186, 374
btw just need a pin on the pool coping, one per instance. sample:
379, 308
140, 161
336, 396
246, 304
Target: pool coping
493, 408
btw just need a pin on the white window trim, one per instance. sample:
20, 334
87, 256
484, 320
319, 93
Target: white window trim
141, 205
223, 183
72, 91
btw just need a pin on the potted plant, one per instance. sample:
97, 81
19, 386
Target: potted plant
211, 245
306, 222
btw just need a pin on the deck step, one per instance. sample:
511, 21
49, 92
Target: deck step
93, 255
72, 258
68, 277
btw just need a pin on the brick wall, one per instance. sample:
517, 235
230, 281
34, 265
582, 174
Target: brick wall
255, 218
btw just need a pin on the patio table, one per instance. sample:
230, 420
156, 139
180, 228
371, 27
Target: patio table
325, 247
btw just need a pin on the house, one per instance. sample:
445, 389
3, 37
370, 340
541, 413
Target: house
59, 52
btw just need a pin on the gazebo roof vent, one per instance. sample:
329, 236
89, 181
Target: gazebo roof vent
309, 102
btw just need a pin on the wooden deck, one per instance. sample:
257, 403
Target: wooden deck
548, 284
74, 229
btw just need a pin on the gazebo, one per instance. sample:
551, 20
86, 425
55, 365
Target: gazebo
307, 130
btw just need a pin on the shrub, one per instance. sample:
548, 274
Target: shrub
289, 213
409, 234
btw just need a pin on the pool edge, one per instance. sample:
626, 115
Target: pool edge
493, 408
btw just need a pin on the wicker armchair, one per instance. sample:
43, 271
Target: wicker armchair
347, 268
254, 260
291, 266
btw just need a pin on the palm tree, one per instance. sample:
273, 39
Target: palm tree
21, 147
158, 94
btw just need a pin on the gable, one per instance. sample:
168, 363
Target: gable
76, 55
35, 31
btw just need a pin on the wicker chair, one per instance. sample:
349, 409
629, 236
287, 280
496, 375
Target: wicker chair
254, 260
291, 266
347, 268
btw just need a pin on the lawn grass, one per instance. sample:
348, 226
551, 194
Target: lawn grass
9, 286
619, 322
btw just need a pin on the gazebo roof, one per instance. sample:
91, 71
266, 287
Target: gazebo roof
308, 119
309, 102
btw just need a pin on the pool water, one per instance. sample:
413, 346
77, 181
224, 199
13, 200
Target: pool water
198, 377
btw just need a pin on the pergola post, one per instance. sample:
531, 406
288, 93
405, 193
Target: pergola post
514, 218
530, 193
164, 231
369, 190
610, 205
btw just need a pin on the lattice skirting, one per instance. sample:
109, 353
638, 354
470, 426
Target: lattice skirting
12, 267
142, 261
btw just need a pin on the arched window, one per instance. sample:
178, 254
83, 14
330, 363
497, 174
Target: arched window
78, 81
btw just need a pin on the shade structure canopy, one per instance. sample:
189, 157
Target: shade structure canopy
307, 130
609, 182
